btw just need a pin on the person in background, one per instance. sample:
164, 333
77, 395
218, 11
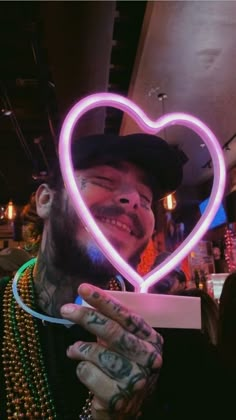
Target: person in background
174, 281
219, 260
209, 312
159, 242
11, 259
192, 373
32, 227
227, 325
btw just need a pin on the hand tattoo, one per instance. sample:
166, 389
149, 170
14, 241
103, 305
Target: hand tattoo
96, 319
138, 325
131, 345
117, 366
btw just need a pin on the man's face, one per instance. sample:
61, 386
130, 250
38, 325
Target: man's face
120, 201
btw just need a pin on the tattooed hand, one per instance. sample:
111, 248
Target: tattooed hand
120, 369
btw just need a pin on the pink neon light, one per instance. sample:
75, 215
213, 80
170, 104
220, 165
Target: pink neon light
152, 127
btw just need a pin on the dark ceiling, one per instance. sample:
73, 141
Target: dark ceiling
53, 54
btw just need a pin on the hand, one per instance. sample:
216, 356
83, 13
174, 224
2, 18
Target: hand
122, 367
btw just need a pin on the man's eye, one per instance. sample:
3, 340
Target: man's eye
102, 181
103, 178
146, 200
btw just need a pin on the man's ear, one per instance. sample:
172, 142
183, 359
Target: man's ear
44, 197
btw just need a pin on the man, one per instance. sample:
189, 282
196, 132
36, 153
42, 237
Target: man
120, 179
174, 282
32, 227
47, 369
179, 282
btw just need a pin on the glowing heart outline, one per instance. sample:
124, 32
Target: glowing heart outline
152, 127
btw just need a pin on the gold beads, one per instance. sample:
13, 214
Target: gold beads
24, 375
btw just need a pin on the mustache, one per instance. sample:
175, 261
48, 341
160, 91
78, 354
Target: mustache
116, 211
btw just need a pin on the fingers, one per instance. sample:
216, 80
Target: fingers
112, 396
115, 337
103, 387
98, 411
113, 309
123, 366
113, 364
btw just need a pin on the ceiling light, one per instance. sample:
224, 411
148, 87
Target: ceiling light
10, 211
6, 112
170, 202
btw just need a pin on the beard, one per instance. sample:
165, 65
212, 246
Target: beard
70, 255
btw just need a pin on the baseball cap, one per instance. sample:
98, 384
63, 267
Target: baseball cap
12, 258
162, 162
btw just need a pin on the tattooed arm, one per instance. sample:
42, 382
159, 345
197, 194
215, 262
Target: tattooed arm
121, 369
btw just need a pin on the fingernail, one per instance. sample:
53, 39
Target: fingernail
85, 289
68, 309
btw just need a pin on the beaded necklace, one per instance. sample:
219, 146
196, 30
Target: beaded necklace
28, 394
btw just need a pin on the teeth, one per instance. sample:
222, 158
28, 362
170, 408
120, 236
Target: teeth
115, 222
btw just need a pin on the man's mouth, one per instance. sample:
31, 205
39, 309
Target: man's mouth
117, 223
117, 217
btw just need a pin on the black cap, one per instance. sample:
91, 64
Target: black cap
162, 162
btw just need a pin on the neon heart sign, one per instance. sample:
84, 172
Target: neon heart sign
152, 127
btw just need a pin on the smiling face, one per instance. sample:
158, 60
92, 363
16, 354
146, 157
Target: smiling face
120, 200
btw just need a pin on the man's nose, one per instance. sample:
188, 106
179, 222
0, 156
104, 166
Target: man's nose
129, 198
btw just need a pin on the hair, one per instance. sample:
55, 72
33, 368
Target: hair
227, 322
180, 276
34, 225
166, 283
209, 312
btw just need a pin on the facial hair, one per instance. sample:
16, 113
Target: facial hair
70, 255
